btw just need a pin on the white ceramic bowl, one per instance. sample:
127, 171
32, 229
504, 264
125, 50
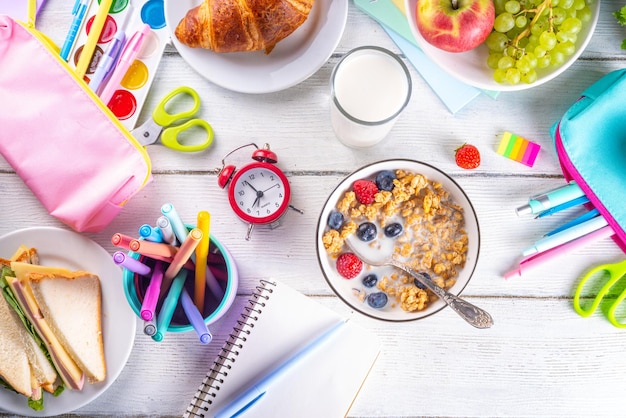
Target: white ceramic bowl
344, 288
471, 66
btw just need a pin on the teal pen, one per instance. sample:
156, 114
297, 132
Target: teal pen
550, 199
256, 391
169, 305
79, 11
563, 206
582, 218
150, 233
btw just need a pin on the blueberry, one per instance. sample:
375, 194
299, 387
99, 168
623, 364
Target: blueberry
384, 180
419, 284
370, 280
366, 231
335, 220
393, 230
377, 300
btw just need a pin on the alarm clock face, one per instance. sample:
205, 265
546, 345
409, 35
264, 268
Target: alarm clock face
259, 193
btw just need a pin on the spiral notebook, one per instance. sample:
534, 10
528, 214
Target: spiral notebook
277, 323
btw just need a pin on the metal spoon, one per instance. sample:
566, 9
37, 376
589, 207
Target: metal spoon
474, 315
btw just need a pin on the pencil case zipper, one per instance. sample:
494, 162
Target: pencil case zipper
54, 51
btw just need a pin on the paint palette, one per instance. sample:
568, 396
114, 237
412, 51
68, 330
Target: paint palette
128, 99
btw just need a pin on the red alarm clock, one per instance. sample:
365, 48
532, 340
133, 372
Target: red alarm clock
258, 192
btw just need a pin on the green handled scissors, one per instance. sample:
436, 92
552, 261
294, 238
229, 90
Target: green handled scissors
168, 126
615, 273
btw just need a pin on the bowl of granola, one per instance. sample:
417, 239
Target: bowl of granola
406, 209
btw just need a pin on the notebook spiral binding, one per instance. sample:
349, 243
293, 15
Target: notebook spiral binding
230, 350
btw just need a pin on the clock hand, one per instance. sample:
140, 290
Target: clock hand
275, 185
252, 187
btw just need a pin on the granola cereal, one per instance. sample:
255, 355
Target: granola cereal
431, 237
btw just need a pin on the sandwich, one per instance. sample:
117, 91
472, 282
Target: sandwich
55, 314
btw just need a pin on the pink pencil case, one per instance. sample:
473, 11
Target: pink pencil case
64, 143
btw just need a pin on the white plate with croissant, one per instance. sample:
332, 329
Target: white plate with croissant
262, 49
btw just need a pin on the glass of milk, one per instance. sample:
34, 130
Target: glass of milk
369, 88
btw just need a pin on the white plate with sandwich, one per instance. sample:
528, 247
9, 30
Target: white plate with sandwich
293, 59
67, 301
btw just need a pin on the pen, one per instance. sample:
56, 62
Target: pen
131, 264
169, 305
121, 240
149, 248
130, 52
79, 11
202, 253
535, 260
256, 391
567, 235
178, 226
184, 253
108, 60
152, 293
92, 39
149, 328
575, 202
550, 199
195, 317
582, 218
149, 233
166, 230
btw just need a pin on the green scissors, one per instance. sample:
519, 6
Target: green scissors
615, 273
168, 126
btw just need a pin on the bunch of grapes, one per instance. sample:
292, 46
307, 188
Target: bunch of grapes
529, 35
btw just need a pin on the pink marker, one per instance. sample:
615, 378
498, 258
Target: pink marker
532, 261
129, 54
152, 293
185, 251
121, 240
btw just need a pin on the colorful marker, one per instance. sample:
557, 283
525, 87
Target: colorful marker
149, 248
150, 233
131, 264
202, 254
92, 39
107, 61
518, 149
178, 226
195, 317
79, 11
169, 305
121, 240
550, 199
166, 230
149, 328
185, 251
152, 293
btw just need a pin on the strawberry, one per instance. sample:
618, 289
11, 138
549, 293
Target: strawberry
365, 191
467, 156
349, 265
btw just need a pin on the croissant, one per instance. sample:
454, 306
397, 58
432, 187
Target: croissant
241, 25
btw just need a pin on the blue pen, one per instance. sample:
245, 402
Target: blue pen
79, 11
108, 60
550, 199
195, 317
255, 392
578, 201
150, 233
169, 305
582, 218
567, 235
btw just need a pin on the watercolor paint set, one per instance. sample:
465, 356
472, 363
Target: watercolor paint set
140, 25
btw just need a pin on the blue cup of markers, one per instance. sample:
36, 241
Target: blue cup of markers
220, 263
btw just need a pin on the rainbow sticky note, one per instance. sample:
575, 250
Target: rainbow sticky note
518, 149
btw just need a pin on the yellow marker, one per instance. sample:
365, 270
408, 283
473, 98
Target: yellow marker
92, 38
202, 254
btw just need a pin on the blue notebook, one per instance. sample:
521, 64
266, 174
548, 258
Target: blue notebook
453, 93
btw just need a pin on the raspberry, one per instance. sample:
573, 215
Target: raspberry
365, 191
467, 156
349, 265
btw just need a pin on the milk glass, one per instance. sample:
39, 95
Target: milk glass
370, 87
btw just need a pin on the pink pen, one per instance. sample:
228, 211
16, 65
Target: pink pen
121, 240
532, 261
130, 52
152, 293
185, 251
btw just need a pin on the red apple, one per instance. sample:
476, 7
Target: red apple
455, 25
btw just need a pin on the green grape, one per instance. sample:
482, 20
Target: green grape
547, 40
556, 58
540, 26
499, 75
571, 25
506, 62
558, 15
499, 6
521, 21
492, 59
529, 77
532, 59
571, 12
566, 48
543, 62
523, 65
513, 75
513, 6
504, 22
579, 4
566, 4
540, 51
584, 14
496, 41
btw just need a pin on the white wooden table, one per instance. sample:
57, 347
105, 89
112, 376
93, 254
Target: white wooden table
540, 357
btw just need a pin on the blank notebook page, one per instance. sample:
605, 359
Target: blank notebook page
277, 322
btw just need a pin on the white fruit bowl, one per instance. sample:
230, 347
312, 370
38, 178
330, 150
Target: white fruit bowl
350, 290
471, 66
